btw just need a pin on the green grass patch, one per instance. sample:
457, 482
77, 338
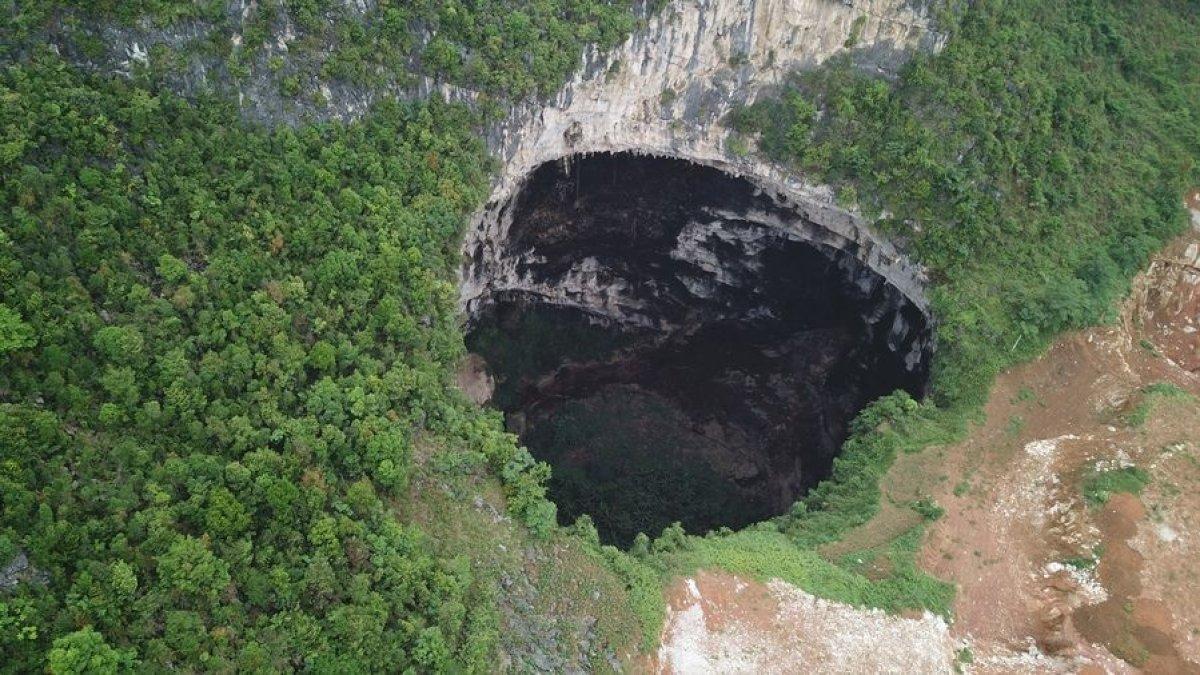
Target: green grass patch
1149, 347
644, 584
1087, 561
1099, 486
927, 508
1166, 390
962, 658
764, 553
1024, 395
1151, 395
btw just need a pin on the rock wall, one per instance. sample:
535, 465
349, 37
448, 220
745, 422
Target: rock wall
665, 92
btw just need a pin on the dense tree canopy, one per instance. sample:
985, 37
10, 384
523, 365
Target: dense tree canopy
220, 345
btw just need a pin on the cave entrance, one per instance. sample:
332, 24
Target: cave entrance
676, 344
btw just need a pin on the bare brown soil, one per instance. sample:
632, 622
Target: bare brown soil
1137, 629
1018, 532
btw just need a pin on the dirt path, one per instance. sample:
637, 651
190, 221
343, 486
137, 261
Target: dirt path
1047, 581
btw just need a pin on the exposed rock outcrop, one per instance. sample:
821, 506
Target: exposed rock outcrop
669, 245
18, 570
665, 92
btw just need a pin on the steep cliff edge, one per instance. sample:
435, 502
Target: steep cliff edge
666, 92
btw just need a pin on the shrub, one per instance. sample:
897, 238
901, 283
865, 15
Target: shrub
1099, 486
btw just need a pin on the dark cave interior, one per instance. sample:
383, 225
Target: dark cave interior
673, 354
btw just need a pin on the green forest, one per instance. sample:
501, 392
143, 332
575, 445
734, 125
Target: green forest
226, 350
221, 363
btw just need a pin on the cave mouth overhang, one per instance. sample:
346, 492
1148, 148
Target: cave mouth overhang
681, 343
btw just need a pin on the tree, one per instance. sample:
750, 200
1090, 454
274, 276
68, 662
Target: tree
390, 452
188, 569
85, 652
15, 334
171, 269
225, 516
119, 344
322, 356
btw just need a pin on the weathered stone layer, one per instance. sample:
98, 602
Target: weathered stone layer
665, 92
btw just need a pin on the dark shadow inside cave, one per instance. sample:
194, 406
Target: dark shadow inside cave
675, 350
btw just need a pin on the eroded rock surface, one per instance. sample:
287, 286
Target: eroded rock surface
666, 91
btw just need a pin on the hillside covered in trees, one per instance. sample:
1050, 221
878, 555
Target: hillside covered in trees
228, 428
222, 347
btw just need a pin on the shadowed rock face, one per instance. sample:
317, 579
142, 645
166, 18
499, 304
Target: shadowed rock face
682, 346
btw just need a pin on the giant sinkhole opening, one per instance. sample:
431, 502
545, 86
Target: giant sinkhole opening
678, 343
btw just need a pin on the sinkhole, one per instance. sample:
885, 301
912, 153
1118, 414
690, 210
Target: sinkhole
679, 343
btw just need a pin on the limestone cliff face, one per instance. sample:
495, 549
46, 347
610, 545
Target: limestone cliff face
665, 92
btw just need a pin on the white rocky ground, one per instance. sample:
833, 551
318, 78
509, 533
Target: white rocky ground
723, 624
